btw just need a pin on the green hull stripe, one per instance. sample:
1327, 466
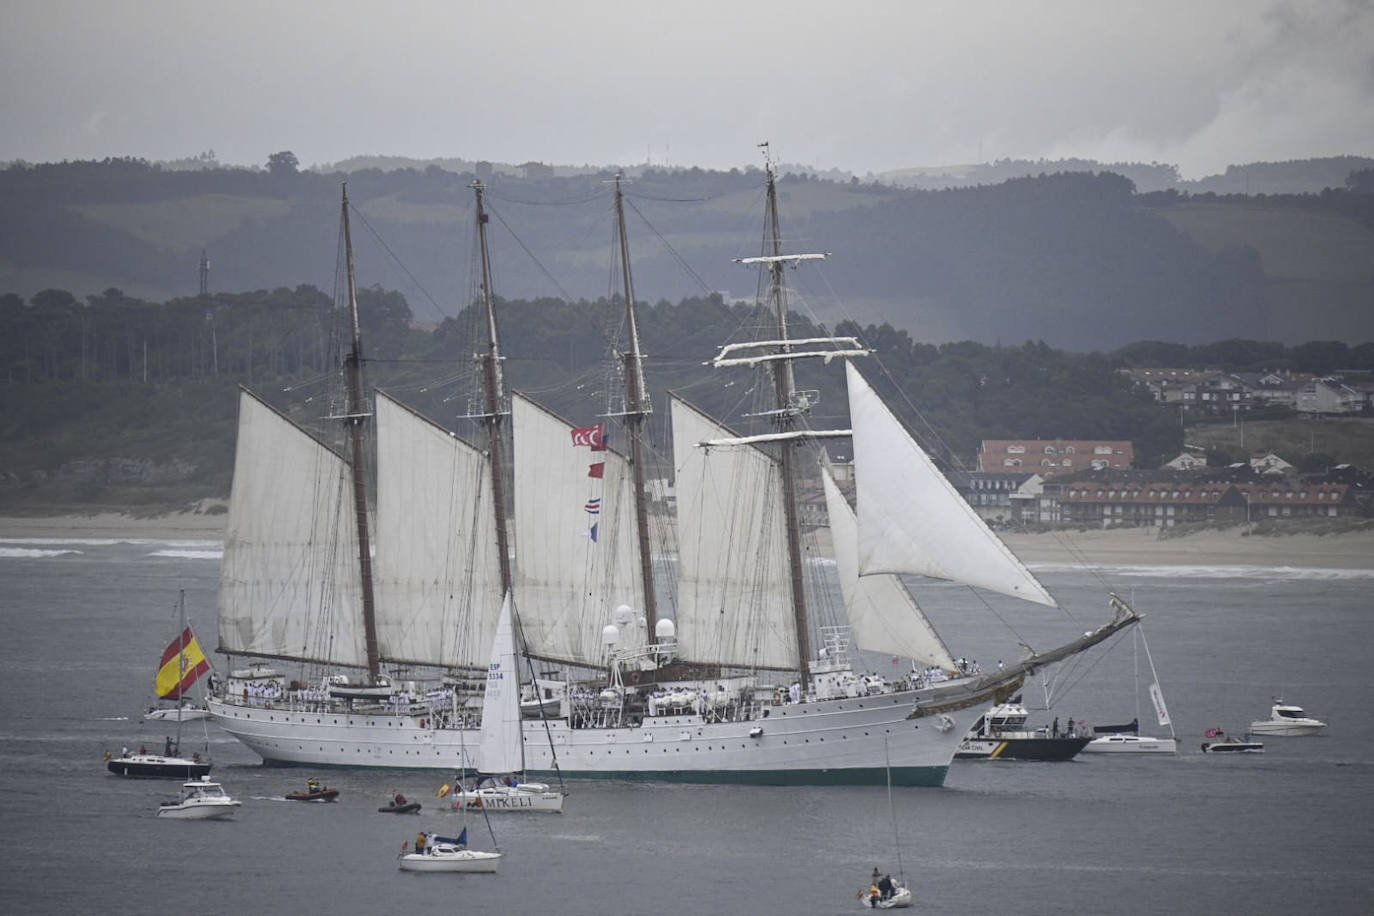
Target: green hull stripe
901, 776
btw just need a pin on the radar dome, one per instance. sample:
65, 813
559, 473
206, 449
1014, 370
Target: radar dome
665, 630
610, 635
623, 615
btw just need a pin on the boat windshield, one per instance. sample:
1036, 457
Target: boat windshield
1290, 712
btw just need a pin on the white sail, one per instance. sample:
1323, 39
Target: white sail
500, 748
289, 580
911, 519
883, 617
574, 538
436, 572
734, 585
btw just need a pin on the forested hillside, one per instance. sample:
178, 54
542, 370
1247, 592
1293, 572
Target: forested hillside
1080, 260
119, 402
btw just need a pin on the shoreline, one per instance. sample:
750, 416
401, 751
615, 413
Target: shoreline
1115, 547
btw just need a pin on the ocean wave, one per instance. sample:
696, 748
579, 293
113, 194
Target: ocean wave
29, 553
201, 543
184, 554
1254, 573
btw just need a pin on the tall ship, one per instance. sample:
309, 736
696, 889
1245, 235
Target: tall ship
691, 650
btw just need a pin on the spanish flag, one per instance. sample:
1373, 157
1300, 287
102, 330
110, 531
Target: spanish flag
444, 790
182, 664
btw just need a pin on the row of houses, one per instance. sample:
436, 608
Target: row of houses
1213, 389
1163, 498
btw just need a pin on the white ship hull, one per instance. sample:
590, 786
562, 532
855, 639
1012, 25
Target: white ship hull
1291, 728
843, 741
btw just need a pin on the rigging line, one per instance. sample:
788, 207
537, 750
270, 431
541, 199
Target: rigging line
398, 262
571, 201
682, 262
567, 297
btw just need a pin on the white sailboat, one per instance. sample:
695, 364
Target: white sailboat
182, 665
1128, 740
728, 688
500, 784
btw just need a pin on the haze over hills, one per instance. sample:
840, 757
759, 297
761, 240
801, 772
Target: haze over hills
1069, 254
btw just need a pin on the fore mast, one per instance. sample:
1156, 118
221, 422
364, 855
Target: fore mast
355, 416
493, 384
637, 409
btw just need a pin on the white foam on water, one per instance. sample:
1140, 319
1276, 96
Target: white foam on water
184, 554
1265, 573
29, 553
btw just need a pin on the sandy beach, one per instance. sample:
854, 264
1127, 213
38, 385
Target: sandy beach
1079, 548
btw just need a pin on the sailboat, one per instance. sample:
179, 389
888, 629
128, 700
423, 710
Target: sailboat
183, 663
1127, 739
738, 684
500, 784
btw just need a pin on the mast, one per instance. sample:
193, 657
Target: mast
355, 416
637, 408
785, 421
494, 390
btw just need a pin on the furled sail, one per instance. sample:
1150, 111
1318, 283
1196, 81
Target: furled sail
574, 538
289, 581
734, 585
499, 749
883, 617
437, 577
911, 519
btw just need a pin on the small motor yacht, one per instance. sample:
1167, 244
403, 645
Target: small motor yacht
1287, 720
200, 799
1221, 744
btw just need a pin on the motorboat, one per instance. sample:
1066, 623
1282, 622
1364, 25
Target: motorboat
448, 854
1131, 744
178, 713
200, 799
1003, 734
398, 804
1288, 721
1221, 744
314, 792
493, 795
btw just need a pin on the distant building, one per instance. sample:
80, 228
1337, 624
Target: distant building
1269, 463
1000, 496
1190, 460
1328, 396
536, 171
1050, 458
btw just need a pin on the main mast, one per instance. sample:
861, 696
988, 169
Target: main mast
494, 389
637, 408
785, 421
354, 418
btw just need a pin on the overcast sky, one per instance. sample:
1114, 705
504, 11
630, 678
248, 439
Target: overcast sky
860, 85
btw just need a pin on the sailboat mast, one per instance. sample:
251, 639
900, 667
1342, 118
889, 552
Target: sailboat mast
784, 386
494, 385
637, 408
355, 416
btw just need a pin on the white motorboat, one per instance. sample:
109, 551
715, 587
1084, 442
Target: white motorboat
1288, 721
200, 799
449, 854
900, 898
1221, 744
1131, 744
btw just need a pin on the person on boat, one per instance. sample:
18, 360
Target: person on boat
167, 747
143, 748
399, 799
312, 785
885, 887
420, 839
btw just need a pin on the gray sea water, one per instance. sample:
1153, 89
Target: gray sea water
1290, 831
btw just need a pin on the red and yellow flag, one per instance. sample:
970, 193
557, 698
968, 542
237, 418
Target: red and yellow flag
182, 665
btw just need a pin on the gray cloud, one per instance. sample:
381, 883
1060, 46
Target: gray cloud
867, 85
